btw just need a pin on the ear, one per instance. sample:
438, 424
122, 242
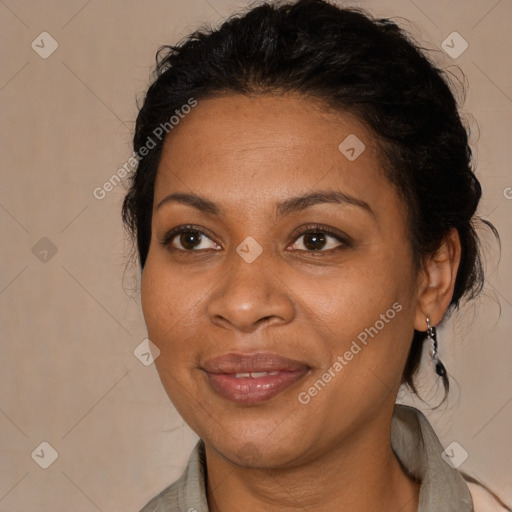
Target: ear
436, 282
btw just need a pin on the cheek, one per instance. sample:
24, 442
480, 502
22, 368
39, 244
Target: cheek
153, 300
355, 295
368, 310
165, 303
168, 314
173, 308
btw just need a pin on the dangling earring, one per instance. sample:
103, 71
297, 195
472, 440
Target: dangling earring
432, 336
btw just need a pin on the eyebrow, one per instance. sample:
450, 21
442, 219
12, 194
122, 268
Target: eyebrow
200, 203
286, 207
299, 203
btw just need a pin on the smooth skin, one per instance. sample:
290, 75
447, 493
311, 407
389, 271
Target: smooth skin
305, 297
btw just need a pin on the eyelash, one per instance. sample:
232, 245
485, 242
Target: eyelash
344, 240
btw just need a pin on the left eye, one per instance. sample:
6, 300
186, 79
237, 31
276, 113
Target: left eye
318, 241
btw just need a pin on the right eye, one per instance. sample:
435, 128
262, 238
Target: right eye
189, 239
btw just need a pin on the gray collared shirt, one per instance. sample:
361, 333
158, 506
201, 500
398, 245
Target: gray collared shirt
413, 440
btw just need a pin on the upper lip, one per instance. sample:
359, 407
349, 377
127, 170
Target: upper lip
258, 362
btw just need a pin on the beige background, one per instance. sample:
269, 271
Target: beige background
68, 373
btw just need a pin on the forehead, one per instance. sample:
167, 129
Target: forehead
248, 151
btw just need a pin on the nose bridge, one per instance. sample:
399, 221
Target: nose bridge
250, 292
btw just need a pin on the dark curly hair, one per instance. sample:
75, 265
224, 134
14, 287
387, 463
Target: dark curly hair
351, 63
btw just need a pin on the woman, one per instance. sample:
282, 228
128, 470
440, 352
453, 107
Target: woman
303, 210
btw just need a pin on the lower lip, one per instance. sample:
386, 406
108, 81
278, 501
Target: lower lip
248, 391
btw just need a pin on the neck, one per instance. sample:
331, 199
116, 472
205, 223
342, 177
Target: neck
361, 474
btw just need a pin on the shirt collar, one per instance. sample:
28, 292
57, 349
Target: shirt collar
417, 447
413, 440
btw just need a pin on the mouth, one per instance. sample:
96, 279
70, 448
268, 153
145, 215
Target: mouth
251, 379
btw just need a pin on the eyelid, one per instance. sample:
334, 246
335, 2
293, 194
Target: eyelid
174, 232
344, 239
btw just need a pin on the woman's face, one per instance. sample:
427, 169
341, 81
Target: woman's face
284, 321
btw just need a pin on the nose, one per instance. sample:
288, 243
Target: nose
251, 295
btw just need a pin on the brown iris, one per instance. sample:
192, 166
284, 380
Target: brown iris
190, 239
314, 241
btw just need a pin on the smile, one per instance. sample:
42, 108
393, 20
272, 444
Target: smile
249, 379
254, 375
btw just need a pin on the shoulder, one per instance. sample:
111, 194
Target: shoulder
188, 493
166, 501
483, 500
